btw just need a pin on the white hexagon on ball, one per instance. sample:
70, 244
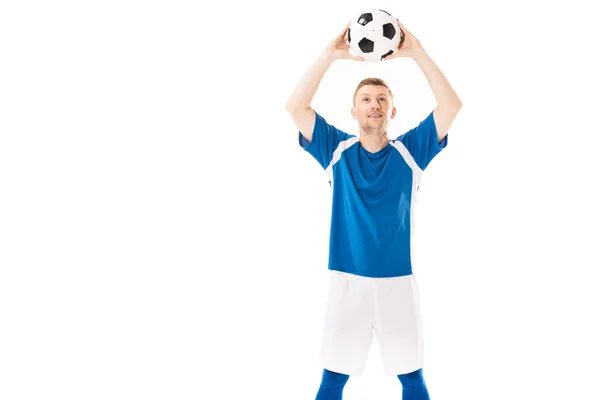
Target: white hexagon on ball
374, 34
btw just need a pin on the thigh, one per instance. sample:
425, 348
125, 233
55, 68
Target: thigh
350, 303
398, 326
348, 325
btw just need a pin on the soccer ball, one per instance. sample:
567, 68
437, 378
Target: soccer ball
374, 34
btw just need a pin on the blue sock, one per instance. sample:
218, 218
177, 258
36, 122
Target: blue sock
413, 386
332, 385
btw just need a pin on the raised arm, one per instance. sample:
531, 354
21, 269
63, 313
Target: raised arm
299, 103
448, 103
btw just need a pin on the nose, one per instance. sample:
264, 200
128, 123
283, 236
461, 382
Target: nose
377, 105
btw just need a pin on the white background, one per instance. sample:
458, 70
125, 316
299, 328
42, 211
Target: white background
163, 236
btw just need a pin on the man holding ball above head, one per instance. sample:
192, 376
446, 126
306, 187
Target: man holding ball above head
374, 180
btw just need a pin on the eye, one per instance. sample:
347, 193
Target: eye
365, 99
382, 99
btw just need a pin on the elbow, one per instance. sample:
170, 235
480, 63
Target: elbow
293, 106
455, 106
289, 107
292, 103
450, 106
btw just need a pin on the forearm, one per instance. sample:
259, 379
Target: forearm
307, 87
444, 94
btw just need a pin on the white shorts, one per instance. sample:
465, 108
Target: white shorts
356, 307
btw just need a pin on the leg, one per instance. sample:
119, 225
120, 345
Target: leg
348, 325
332, 385
413, 386
398, 325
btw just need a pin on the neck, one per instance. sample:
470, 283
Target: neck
373, 141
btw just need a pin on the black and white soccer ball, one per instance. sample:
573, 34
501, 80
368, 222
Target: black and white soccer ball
374, 34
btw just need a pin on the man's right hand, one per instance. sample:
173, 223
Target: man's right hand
299, 102
339, 48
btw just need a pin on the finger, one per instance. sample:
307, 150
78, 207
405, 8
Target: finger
345, 31
401, 26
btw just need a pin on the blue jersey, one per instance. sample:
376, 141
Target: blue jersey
373, 196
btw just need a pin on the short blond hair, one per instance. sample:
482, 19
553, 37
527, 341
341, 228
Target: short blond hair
374, 82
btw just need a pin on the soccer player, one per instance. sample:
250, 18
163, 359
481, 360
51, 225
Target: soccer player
374, 181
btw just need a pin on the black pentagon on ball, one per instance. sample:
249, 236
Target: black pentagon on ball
387, 54
389, 31
365, 19
366, 45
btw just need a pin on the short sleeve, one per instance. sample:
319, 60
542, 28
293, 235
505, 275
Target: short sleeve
422, 142
325, 139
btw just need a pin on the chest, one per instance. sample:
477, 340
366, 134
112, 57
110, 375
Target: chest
385, 175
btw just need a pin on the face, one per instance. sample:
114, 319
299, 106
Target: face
373, 108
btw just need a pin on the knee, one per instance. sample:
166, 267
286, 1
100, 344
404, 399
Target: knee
414, 378
333, 380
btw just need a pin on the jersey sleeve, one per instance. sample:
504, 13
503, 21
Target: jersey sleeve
422, 142
325, 139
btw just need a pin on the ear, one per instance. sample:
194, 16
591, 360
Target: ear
353, 112
393, 112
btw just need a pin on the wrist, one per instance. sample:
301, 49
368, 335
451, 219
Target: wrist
327, 55
420, 55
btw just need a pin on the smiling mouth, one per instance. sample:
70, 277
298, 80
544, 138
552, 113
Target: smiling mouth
375, 116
